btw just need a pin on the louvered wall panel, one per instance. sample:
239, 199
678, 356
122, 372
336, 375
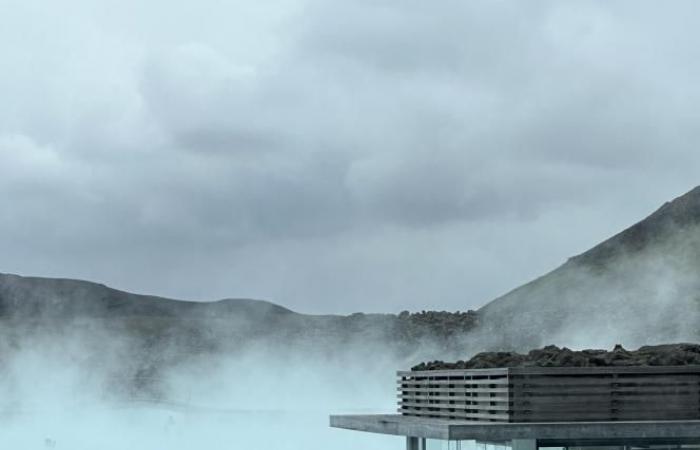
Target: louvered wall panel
552, 394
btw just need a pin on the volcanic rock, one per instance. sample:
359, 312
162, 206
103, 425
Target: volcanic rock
553, 356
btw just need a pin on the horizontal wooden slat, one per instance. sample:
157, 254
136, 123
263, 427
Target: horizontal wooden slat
602, 413
456, 406
479, 398
453, 372
559, 390
500, 381
655, 413
598, 382
599, 408
461, 398
556, 385
445, 378
622, 399
553, 398
554, 405
568, 398
574, 417
497, 390
460, 415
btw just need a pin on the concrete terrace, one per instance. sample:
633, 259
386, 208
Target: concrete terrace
551, 434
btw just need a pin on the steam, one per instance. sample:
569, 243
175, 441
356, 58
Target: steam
62, 390
96, 383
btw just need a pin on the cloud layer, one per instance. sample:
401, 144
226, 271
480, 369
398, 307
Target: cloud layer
336, 157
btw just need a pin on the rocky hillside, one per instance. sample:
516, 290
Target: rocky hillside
642, 286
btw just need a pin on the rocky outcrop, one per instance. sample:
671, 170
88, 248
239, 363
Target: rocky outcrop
437, 325
553, 356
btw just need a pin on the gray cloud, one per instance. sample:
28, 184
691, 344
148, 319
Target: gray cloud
336, 157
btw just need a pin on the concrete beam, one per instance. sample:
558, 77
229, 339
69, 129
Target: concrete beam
393, 424
544, 433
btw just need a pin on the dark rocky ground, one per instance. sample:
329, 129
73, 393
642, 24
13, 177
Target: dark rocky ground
553, 356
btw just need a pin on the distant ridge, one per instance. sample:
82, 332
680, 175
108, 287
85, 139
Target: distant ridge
22, 296
160, 326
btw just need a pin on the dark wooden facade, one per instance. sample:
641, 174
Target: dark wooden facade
536, 394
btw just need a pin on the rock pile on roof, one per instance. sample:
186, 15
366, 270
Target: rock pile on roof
553, 356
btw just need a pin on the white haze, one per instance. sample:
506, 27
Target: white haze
52, 397
59, 392
254, 401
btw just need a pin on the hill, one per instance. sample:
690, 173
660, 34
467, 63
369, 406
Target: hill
31, 305
641, 286
34, 297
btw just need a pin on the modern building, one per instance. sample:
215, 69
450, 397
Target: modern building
611, 408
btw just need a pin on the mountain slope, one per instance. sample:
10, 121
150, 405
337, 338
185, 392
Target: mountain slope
639, 287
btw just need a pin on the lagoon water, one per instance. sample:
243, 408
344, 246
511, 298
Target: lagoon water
235, 404
149, 427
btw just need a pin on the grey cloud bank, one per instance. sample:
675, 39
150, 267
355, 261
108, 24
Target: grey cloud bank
333, 157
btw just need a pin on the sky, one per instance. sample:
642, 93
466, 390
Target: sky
334, 156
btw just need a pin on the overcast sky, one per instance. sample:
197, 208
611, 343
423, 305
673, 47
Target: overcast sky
337, 156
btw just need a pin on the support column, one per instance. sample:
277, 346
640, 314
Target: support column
412, 443
524, 444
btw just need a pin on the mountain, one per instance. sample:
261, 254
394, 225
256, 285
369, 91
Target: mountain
641, 286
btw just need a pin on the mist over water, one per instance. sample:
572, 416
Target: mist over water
60, 393
85, 366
